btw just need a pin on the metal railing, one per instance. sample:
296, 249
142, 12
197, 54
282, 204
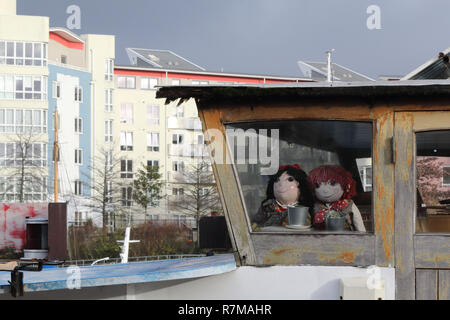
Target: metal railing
89, 262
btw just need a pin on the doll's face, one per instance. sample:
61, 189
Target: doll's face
328, 192
285, 189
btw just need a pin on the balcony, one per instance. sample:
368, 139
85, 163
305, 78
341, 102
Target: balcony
188, 150
192, 123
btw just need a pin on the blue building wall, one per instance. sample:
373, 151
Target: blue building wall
84, 79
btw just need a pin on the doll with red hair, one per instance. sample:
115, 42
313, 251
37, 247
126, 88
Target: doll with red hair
333, 188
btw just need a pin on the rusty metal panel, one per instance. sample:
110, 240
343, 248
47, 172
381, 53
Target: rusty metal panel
315, 249
57, 231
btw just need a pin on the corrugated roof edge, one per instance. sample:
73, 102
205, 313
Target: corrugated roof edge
424, 66
311, 89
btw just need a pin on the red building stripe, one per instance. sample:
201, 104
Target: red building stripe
207, 77
65, 42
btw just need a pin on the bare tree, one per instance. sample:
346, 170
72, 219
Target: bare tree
26, 162
106, 185
199, 196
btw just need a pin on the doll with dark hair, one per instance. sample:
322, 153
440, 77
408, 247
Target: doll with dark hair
288, 187
333, 188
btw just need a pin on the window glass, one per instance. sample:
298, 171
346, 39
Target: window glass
321, 169
433, 181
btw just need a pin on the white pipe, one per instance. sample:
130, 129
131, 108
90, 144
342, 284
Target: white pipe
329, 77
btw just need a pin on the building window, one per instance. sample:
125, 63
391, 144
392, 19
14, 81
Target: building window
175, 82
78, 94
177, 191
108, 130
152, 115
126, 82
177, 138
56, 90
201, 83
148, 83
152, 163
20, 121
126, 141
327, 155
201, 139
153, 141
126, 169
108, 187
127, 193
109, 100
78, 125
63, 59
21, 87
126, 113
178, 166
35, 189
109, 69
78, 218
178, 111
446, 176
21, 53
78, 187
78, 156
16, 154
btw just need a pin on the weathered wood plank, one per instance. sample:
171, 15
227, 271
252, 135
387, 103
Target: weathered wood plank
444, 284
404, 206
383, 187
426, 284
227, 186
315, 249
432, 251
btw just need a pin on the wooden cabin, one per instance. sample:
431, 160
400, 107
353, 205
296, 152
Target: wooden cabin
394, 138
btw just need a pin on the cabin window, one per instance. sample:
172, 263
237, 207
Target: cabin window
334, 180
433, 181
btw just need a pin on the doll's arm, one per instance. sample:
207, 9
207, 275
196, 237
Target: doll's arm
357, 219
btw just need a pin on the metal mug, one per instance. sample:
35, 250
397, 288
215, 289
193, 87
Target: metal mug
297, 215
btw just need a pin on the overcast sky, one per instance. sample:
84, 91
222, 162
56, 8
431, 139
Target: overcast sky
266, 36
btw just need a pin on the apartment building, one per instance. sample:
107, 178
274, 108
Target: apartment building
81, 89
23, 105
169, 136
104, 112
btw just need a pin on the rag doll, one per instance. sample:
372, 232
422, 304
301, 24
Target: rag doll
288, 187
333, 188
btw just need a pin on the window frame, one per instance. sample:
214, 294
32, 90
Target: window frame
124, 137
127, 173
367, 248
11, 84
443, 175
34, 60
78, 187
109, 69
152, 147
109, 137
78, 156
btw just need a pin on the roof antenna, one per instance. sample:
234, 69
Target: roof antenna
329, 78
